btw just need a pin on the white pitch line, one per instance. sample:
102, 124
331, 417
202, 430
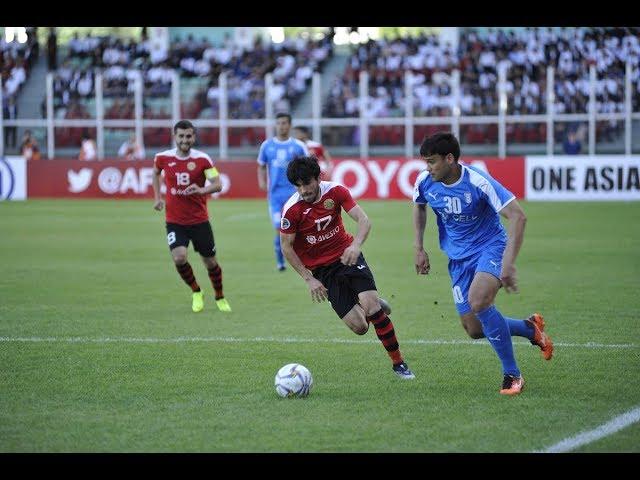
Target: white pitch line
280, 340
609, 428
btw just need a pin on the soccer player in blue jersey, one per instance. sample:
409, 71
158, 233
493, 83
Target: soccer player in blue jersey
468, 203
274, 157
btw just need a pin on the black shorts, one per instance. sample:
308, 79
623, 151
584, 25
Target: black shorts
200, 234
345, 282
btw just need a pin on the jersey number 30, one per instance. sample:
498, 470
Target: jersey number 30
453, 205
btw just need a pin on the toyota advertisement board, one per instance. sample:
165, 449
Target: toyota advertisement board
561, 178
370, 179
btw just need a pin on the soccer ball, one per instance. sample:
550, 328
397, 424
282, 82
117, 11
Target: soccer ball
293, 380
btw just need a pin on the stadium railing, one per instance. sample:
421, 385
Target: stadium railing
224, 123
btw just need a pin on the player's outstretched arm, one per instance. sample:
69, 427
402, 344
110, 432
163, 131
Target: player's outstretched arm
214, 186
517, 221
419, 224
262, 177
316, 288
352, 252
158, 203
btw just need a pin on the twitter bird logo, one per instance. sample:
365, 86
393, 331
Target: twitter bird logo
78, 182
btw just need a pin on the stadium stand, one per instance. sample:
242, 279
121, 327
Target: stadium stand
200, 64
525, 55
16, 60
479, 55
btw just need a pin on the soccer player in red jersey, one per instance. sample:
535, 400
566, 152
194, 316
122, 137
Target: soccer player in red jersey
328, 258
316, 149
186, 171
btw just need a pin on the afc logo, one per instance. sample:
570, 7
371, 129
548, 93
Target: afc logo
13, 178
7, 180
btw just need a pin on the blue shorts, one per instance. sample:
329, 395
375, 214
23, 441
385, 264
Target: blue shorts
462, 271
276, 204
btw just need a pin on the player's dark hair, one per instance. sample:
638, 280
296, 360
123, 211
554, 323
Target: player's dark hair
303, 129
184, 124
302, 169
441, 143
283, 114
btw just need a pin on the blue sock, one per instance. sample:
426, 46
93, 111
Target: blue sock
496, 330
278, 250
519, 328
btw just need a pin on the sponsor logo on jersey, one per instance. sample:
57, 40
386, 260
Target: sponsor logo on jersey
312, 239
178, 191
464, 218
329, 204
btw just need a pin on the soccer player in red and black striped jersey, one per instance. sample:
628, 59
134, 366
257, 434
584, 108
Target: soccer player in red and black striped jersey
328, 258
186, 171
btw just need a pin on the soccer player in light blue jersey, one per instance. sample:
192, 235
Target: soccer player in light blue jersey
273, 159
468, 203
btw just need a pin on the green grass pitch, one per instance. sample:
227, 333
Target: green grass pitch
100, 352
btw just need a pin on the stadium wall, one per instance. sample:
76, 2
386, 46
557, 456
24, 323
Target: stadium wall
559, 178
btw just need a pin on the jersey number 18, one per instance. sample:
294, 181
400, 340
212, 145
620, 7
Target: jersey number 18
182, 178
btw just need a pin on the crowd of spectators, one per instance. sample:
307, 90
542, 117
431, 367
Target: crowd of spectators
16, 60
525, 54
292, 64
479, 56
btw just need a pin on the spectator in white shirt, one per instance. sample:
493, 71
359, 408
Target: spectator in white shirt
88, 149
131, 149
